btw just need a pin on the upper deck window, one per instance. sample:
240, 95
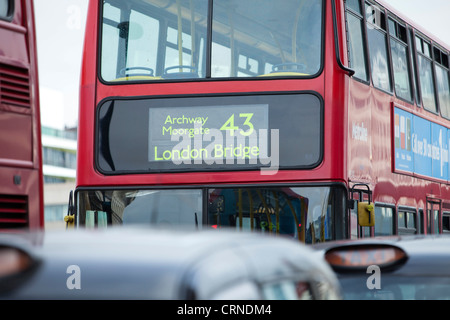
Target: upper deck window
355, 34
185, 39
6, 9
442, 81
378, 49
425, 70
400, 60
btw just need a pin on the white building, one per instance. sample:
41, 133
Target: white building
59, 166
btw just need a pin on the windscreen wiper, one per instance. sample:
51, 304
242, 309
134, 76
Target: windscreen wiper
196, 220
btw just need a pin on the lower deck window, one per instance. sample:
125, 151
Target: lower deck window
407, 222
384, 221
446, 222
304, 213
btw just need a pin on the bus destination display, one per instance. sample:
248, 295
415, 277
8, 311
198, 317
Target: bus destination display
213, 134
207, 133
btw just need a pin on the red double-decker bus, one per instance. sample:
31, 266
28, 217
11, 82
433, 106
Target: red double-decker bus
21, 181
298, 118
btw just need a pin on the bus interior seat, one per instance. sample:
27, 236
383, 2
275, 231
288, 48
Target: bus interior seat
191, 73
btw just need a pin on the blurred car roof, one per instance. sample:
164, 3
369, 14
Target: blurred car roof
418, 267
142, 263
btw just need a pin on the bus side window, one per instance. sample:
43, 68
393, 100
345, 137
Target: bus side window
433, 216
425, 71
413, 56
378, 51
400, 60
355, 34
6, 9
442, 81
421, 222
446, 222
384, 220
407, 222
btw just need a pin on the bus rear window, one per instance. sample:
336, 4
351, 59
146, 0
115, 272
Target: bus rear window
160, 40
265, 132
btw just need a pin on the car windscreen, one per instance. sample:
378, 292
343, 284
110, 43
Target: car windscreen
394, 287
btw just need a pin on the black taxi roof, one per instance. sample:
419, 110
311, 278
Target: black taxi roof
426, 254
143, 263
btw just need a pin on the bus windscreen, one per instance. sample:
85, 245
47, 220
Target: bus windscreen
270, 131
154, 40
300, 212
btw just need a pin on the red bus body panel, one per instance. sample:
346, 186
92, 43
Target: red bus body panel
21, 179
93, 91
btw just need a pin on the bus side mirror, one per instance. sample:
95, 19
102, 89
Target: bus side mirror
69, 219
366, 214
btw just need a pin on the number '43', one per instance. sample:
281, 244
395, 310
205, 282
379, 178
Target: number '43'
230, 126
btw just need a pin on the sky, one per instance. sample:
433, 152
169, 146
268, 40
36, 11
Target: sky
432, 15
60, 26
